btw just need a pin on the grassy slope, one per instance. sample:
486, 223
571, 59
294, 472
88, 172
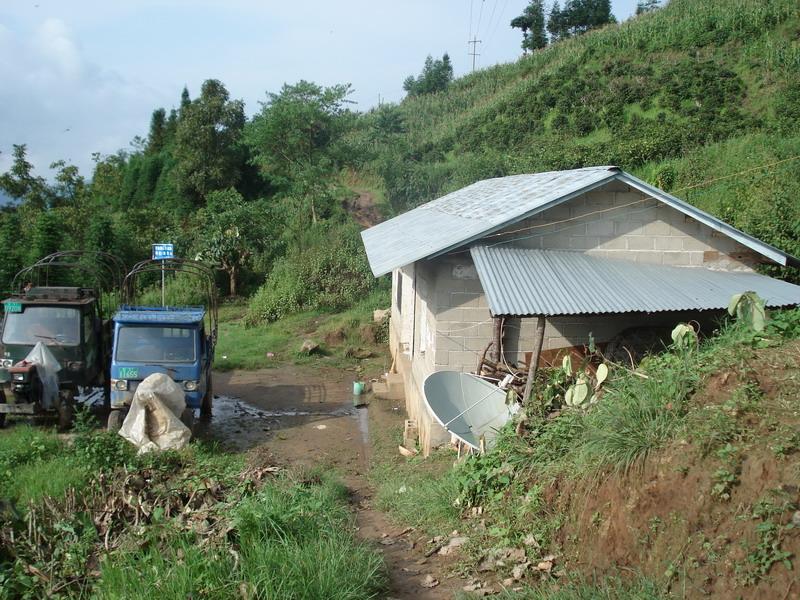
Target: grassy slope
347, 339
697, 90
598, 488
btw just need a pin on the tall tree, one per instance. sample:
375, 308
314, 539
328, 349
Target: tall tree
297, 140
233, 232
556, 23
646, 6
532, 24
208, 152
47, 236
578, 16
436, 75
20, 183
158, 131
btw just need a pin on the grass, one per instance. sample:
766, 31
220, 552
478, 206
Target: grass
34, 463
346, 338
291, 536
418, 492
293, 540
608, 588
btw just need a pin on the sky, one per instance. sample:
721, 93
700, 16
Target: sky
84, 76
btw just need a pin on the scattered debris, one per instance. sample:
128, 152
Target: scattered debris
406, 452
429, 582
453, 545
309, 347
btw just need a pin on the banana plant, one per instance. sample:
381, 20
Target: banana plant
749, 308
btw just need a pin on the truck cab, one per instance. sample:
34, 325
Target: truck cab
66, 320
169, 340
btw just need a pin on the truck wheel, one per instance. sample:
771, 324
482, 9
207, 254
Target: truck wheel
2, 415
115, 418
187, 418
205, 405
66, 409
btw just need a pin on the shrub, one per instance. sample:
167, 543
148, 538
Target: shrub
330, 273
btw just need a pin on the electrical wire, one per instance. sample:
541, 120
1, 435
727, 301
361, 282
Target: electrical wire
480, 16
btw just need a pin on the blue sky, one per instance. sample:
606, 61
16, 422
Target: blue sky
84, 76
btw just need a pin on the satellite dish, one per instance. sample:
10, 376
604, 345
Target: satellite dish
467, 406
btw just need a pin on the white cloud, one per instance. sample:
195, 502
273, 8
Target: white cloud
62, 105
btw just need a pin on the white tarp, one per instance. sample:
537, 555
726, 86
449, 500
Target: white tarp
48, 367
153, 421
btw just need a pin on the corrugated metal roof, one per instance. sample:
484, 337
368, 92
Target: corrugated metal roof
470, 213
523, 281
477, 210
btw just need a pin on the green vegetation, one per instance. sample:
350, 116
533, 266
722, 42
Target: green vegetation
90, 518
698, 97
518, 495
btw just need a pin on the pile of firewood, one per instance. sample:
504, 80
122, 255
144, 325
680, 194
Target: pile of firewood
506, 376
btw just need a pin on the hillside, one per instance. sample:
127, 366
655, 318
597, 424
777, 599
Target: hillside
681, 482
692, 92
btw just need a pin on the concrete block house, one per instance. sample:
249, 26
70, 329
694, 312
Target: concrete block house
595, 251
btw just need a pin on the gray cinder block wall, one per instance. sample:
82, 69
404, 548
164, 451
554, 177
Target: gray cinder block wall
446, 324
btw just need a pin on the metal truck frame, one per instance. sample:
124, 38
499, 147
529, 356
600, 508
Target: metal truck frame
176, 340
72, 321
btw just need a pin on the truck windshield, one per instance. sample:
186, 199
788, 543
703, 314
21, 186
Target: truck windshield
158, 345
53, 325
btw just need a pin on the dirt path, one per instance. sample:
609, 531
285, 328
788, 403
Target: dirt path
364, 209
306, 416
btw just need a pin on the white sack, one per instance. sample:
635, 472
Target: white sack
48, 368
153, 421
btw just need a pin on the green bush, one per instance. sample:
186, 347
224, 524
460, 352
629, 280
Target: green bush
331, 273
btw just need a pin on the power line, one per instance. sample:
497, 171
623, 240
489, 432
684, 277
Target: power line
480, 15
493, 30
470, 19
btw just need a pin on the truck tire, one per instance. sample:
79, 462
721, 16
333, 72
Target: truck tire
115, 418
205, 405
187, 418
66, 409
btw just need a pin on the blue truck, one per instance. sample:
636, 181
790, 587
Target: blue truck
175, 340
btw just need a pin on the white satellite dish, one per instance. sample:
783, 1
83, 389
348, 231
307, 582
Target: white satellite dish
467, 406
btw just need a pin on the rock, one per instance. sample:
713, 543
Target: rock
452, 545
309, 347
796, 518
546, 566
530, 540
406, 452
379, 315
472, 587
519, 571
507, 583
429, 582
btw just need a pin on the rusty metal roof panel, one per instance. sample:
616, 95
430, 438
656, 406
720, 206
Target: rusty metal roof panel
523, 281
472, 212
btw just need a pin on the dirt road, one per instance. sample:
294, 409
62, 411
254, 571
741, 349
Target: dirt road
306, 416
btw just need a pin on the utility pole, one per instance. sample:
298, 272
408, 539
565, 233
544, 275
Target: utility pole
474, 54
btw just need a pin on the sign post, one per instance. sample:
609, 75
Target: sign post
163, 252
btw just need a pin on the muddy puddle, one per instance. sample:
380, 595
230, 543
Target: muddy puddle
239, 425
285, 406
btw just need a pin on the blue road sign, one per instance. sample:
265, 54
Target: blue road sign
163, 251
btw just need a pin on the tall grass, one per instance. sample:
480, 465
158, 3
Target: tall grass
292, 540
607, 588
